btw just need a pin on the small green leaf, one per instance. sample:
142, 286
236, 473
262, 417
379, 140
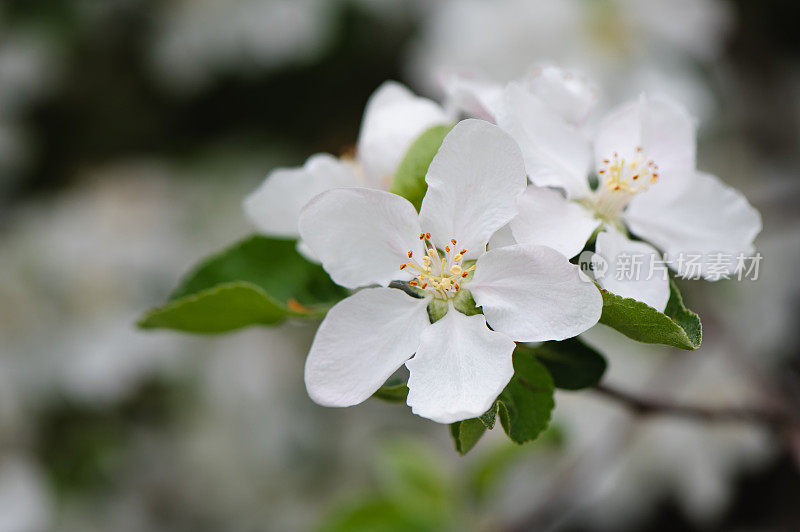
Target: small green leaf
259, 281
526, 403
412, 475
467, 433
572, 364
524, 406
393, 390
685, 318
413, 492
676, 326
370, 514
409, 180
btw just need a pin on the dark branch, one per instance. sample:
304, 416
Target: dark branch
648, 406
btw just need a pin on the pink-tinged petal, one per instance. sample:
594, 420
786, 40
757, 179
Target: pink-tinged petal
548, 219
473, 182
635, 269
361, 236
361, 342
532, 294
274, 207
459, 369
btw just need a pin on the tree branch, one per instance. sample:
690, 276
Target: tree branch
647, 406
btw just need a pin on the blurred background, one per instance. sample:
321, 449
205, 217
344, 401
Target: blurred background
130, 131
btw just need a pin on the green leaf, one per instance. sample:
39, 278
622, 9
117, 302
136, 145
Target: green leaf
572, 364
467, 433
688, 320
526, 403
412, 475
393, 390
676, 326
524, 406
409, 180
372, 514
413, 492
259, 281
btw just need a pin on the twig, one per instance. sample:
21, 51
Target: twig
646, 406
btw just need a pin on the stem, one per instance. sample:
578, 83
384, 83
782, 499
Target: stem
646, 406
546, 516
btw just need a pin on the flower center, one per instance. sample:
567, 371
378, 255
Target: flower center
620, 180
441, 273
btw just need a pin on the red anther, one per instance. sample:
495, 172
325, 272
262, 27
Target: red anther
655, 175
456, 287
462, 251
427, 235
453, 241
403, 266
421, 236
635, 177
464, 274
447, 249
424, 285
410, 254
413, 283
606, 161
617, 187
601, 172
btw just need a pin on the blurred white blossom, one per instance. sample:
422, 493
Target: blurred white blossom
626, 45
197, 40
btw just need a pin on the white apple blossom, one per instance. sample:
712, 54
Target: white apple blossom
365, 237
629, 46
643, 154
394, 117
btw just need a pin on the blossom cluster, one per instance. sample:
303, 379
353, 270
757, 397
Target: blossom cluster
524, 183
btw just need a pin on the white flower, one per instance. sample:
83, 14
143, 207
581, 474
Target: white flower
644, 158
393, 119
627, 45
365, 237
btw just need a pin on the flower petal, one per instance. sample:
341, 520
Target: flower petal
361, 236
532, 294
477, 98
662, 128
274, 207
634, 269
459, 369
501, 238
706, 217
569, 94
548, 219
555, 152
394, 117
473, 182
361, 342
